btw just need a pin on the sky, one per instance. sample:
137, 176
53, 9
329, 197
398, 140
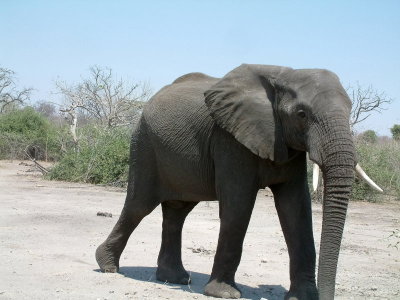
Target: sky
158, 41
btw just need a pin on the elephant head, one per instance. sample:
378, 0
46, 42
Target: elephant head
275, 110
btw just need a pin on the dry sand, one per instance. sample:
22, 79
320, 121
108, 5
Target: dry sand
49, 232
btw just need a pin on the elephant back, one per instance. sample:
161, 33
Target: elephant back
177, 117
194, 76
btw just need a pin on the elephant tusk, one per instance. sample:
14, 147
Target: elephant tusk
315, 177
360, 172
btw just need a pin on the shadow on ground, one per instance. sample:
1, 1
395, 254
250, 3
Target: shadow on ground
199, 280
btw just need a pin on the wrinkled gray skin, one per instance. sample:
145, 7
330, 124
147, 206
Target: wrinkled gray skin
203, 138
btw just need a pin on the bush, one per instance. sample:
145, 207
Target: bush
395, 132
26, 129
381, 161
369, 136
102, 157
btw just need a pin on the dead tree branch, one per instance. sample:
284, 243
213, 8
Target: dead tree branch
365, 101
39, 166
110, 101
9, 94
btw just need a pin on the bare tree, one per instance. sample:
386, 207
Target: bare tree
365, 101
47, 109
9, 94
110, 101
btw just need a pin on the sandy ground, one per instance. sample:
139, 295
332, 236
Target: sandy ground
49, 232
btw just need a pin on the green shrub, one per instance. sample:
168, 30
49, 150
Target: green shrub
102, 157
26, 129
395, 132
369, 136
381, 161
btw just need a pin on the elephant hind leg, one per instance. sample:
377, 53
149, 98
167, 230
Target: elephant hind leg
109, 252
170, 267
143, 196
141, 199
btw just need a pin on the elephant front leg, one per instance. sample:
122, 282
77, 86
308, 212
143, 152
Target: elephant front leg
235, 216
170, 267
293, 204
236, 186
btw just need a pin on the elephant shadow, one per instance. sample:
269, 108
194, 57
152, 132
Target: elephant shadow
199, 280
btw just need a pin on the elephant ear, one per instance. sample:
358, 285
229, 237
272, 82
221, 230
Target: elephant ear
244, 104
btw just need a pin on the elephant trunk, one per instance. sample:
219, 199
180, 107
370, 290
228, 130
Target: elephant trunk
337, 192
336, 156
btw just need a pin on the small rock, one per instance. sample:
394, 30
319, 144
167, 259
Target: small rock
104, 214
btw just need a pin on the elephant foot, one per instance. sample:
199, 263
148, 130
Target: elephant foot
173, 275
107, 261
220, 289
309, 293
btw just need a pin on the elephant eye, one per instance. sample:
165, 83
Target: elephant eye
301, 114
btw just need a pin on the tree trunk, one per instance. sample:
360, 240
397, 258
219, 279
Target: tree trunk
72, 128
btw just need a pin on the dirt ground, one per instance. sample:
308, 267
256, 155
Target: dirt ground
49, 232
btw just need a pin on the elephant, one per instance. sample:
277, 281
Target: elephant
203, 138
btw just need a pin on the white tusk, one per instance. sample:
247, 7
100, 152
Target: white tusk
315, 177
360, 172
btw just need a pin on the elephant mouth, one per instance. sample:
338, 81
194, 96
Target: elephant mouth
359, 171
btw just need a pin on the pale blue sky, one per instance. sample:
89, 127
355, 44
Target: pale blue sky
161, 40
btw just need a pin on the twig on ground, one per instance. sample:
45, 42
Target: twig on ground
39, 166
